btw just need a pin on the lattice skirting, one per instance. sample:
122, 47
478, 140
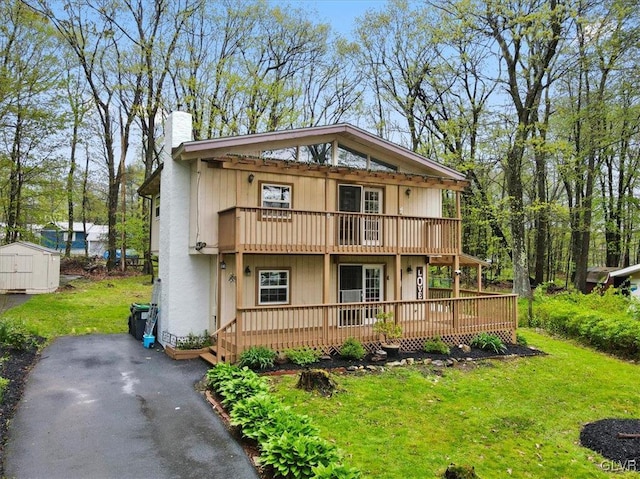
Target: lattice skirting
416, 344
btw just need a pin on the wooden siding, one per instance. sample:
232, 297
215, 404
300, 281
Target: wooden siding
263, 230
215, 191
319, 326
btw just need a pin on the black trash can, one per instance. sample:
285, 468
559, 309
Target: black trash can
138, 319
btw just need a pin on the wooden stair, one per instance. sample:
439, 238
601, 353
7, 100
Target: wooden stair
209, 357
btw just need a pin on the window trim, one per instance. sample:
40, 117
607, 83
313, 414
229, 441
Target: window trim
274, 216
259, 271
156, 207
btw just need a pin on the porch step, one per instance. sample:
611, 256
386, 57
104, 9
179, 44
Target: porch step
209, 358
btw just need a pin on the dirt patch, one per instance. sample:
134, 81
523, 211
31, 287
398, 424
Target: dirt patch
616, 439
14, 366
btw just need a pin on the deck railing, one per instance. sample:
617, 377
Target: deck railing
264, 230
326, 327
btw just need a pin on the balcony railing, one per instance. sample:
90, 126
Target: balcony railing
262, 230
326, 327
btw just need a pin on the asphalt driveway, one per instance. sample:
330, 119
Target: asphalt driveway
102, 406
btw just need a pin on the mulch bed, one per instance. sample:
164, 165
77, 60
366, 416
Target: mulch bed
457, 354
15, 367
602, 437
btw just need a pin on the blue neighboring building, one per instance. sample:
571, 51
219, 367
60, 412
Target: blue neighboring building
54, 236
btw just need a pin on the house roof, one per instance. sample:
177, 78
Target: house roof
347, 135
29, 245
626, 271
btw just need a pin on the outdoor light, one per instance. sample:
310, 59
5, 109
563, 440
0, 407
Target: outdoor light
247, 271
408, 192
458, 272
200, 245
223, 265
251, 178
409, 269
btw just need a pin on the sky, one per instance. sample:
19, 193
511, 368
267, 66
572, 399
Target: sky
340, 14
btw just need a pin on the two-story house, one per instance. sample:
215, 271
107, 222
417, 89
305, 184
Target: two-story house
301, 237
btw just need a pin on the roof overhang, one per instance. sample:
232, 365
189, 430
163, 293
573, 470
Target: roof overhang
345, 134
626, 271
151, 186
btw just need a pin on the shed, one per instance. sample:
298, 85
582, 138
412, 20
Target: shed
28, 268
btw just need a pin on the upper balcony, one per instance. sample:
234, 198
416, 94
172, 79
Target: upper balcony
264, 230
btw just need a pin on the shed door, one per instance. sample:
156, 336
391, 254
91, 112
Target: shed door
16, 271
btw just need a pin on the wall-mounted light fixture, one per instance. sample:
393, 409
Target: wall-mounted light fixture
200, 245
223, 265
251, 177
247, 271
409, 270
408, 192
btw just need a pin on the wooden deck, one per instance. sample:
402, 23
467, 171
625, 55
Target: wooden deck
262, 230
326, 327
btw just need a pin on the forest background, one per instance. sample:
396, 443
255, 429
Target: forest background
537, 102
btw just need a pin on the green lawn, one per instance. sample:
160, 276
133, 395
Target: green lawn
84, 307
516, 418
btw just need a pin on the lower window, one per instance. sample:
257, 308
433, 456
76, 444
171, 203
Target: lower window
273, 287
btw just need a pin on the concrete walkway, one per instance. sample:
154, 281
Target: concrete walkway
102, 406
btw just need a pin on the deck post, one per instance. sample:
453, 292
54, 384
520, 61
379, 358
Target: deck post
326, 287
239, 314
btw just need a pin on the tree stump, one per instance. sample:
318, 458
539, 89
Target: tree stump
460, 472
317, 380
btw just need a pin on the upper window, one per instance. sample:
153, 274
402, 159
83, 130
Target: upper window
276, 196
273, 287
156, 202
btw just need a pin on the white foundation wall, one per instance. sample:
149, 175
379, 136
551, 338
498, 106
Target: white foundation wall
185, 294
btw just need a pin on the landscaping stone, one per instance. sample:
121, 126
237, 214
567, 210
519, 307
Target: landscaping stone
394, 364
410, 361
352, 368
465, 348
379, 355
438, 363
325, 357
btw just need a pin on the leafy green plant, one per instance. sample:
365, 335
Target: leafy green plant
194, 341
262, 417
234, 384
352, 349
257, 357
302, 356
436, 345
385, 326
14, 335
295, 456
4, 382
489, 342
521, 340
335, 471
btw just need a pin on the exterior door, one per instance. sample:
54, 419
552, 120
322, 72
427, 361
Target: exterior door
360, 284
359, 229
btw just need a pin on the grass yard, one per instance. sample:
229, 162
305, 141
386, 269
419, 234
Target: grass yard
83, 307
517, 418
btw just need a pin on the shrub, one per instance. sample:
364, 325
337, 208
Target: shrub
489, 342
335, 471
436, 345
303, 356
295, 456
15, 335
352, 349
194, 341
257, 357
